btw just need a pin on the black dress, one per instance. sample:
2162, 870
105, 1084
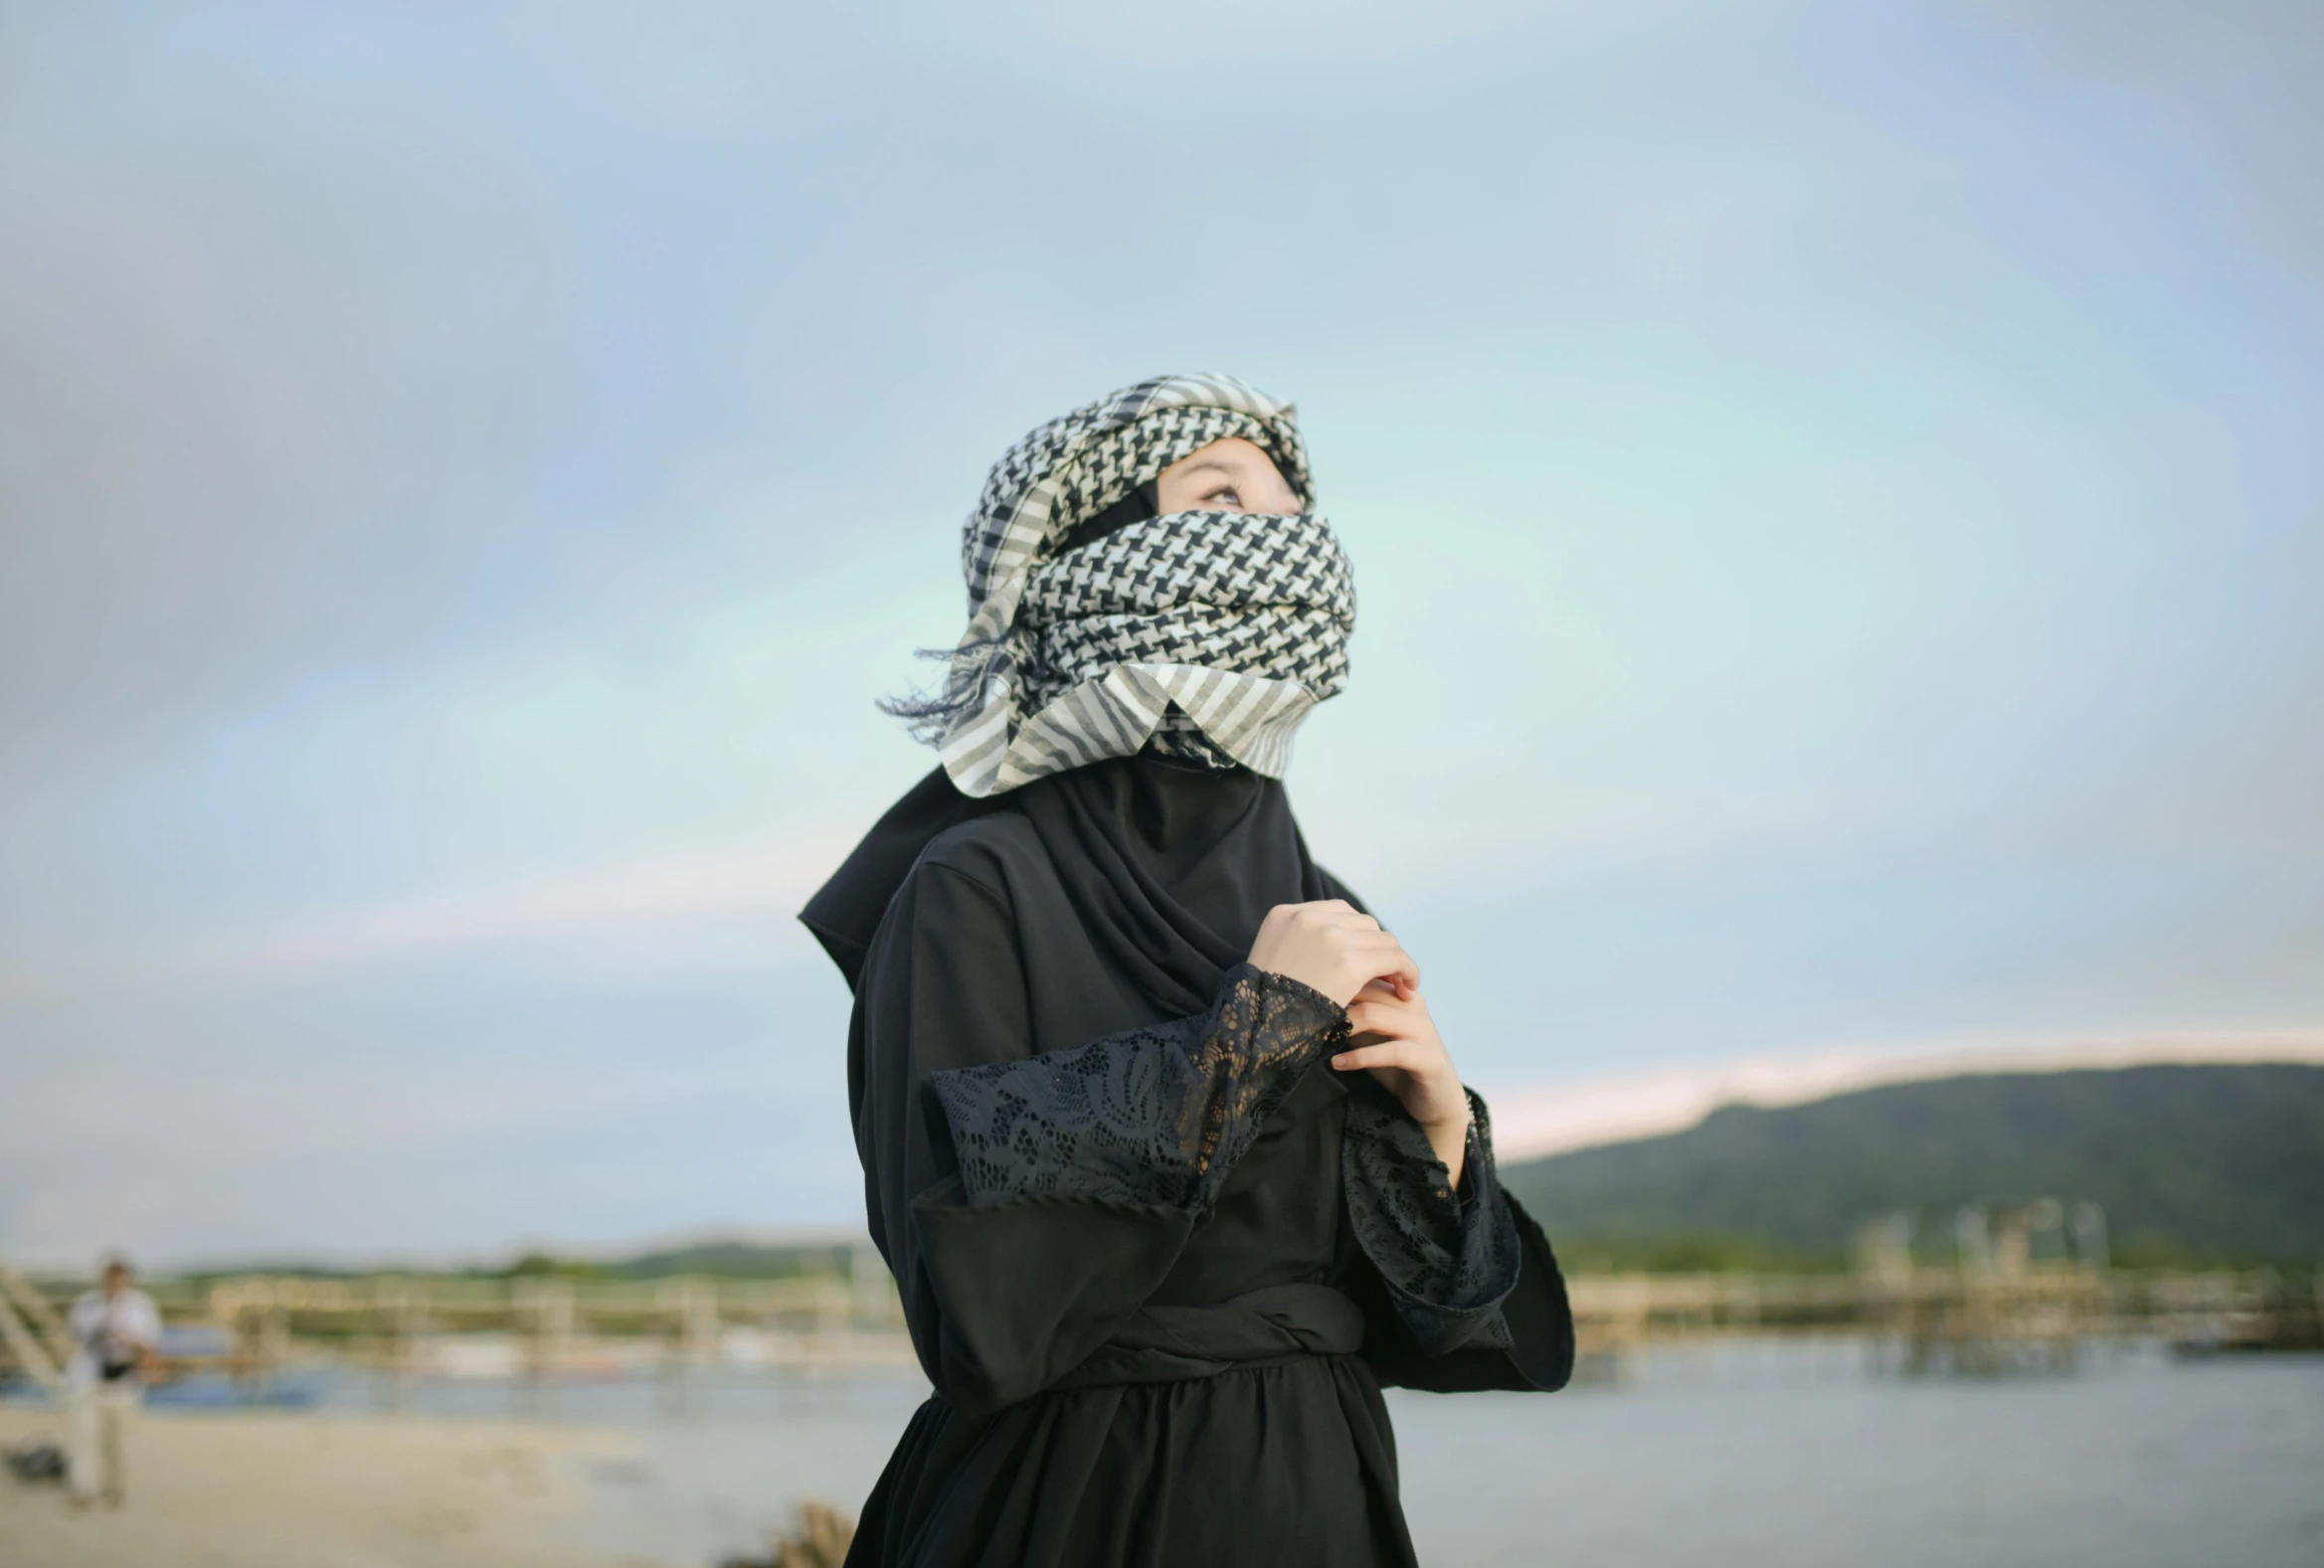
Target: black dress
1155, 1260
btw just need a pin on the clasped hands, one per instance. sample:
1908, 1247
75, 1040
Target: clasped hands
1333, 947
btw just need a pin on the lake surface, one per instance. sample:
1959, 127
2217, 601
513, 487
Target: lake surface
1799, 1456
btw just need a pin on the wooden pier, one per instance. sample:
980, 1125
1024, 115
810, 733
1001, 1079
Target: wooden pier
1940, 1318
541, 1330
531, 1330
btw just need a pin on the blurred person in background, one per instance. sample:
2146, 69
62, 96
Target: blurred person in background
1156, 1268
116, 1331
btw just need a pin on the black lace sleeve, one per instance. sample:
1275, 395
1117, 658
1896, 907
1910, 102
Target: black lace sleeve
1449, 1260
1152, 1115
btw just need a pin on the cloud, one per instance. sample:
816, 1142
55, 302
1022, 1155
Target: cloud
185, 1158
660, 911
1831, 556
2227, 90
270, 384
661, 890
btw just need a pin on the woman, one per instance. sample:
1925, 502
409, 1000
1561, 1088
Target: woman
1157, 1265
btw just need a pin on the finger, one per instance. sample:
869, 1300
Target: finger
1412, 1053
1375, 944
1386, 1019
1393, 1052
1384, 986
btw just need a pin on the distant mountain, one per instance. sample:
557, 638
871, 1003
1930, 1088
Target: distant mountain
2191, 1164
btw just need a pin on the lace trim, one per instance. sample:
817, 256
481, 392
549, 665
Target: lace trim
1448, 1262
1152, 1115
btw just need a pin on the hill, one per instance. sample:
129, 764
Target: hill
2191, 1164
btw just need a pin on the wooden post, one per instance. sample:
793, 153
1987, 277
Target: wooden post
29, 1352
550, 1301
38, 1314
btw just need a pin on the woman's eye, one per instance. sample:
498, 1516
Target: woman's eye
1230, 496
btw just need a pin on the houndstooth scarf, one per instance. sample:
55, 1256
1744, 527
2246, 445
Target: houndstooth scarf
1209, 635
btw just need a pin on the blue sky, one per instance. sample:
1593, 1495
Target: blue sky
1832, 487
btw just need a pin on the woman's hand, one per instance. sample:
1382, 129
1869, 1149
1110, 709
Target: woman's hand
1330, 946
1397, 1043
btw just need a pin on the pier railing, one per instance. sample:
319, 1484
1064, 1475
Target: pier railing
554, 1328
1965, 1319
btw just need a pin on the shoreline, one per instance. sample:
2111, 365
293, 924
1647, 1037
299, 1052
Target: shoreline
319, 1488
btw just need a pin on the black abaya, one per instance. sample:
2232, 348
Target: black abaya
1155, 1260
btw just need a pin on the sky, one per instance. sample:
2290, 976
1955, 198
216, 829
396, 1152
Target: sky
1833, 490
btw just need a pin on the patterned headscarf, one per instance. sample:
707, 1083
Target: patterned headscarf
1209, 634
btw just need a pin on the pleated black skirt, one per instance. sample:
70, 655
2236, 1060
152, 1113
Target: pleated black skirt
1285, 1465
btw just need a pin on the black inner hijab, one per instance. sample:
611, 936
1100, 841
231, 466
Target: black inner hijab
1135, 507
848, 909
1170, 867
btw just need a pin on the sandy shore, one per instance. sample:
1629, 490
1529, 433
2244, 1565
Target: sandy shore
274, 1491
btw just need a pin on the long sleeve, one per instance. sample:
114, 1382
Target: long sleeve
1029, 1202
1467, 1291
1160, 1115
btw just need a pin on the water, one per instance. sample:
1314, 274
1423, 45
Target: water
1795, 1456
2146, 1462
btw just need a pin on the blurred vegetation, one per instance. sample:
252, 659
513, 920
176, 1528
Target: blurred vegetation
735, 1260
2195, 1167
1692, 1252
722, 1260
716, 1260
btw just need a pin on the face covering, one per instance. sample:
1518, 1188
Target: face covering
1098, 630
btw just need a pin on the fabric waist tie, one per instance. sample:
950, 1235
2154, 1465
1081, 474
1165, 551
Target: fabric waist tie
1167, 1344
